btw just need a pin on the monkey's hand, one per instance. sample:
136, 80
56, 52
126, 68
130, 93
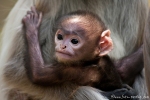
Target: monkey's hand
32, 21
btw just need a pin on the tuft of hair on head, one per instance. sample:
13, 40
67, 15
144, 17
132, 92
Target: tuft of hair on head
81, 13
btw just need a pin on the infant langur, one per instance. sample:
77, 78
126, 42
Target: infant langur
82, 43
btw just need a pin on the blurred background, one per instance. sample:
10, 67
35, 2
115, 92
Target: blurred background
5, 7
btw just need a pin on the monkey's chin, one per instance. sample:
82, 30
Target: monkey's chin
64, 58
67, 62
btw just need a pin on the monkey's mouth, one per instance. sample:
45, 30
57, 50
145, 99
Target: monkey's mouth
63, 53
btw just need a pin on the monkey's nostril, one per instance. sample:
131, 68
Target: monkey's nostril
63, 46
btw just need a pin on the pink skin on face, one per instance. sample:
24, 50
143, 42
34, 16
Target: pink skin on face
72, 39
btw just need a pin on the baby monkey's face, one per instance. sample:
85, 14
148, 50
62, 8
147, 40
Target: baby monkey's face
75, 40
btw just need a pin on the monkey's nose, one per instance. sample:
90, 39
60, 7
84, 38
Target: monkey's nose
63, 46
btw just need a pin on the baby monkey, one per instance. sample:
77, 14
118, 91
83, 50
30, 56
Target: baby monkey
82, 42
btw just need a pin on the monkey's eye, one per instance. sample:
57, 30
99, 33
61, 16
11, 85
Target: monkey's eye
74, 41
59, 37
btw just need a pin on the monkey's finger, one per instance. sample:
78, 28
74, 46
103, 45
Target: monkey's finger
33, 9
28, 16
31, 14
40, 19
25, 19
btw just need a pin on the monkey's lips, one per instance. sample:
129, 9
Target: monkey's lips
63, 54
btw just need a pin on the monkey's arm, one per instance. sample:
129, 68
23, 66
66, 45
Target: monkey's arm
37, 71
35, 66
130, 66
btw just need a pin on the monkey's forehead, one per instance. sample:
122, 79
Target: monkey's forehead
76, 29
78, 19
79, 25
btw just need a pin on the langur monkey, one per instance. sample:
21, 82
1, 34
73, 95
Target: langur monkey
125, 19
82, 42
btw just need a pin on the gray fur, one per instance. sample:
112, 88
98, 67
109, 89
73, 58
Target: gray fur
125, 18
147, 53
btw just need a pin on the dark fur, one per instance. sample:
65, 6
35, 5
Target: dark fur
125, 18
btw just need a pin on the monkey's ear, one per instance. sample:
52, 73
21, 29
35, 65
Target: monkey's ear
106, 43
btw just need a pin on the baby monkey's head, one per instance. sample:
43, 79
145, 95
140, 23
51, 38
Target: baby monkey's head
81, 36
